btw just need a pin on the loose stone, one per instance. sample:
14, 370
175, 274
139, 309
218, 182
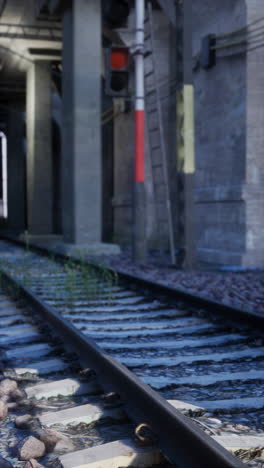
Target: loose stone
30, 447
18, 394
55, 441
5, 398
7, 386
12, 405
3, 410
23, 422
32, 463
48, 439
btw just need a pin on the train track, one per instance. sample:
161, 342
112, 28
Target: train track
47, 388
207, 369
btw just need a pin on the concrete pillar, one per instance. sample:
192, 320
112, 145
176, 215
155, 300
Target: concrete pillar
39, 154
254, 177
81, 122
16, 171
56, 150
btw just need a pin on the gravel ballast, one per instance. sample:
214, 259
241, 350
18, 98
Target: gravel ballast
241, 289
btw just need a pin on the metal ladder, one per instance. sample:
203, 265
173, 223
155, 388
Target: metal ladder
156, 132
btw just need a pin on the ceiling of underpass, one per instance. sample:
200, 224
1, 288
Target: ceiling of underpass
22, 39
26, 35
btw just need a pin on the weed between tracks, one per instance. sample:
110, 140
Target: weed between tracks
86, 282
81, 282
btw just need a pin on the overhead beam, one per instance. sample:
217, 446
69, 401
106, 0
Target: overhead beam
31, 37
56, 53
30, 32
38, 27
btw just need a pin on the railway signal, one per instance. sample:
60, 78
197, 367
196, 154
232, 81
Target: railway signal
115, 12
117, 71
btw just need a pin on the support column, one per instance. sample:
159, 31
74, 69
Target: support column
81, 122
16, 171
39, 154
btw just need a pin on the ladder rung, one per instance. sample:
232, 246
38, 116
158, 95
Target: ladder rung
154, 129
148, 53
155, 166
153, 148
151, 91
149, 73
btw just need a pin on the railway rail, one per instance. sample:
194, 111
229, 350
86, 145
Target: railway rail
48, 390
206, 368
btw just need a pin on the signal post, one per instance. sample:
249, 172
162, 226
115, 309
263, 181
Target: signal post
139, 208
117, 86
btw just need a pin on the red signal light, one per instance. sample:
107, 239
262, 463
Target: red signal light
119, 59
117, 71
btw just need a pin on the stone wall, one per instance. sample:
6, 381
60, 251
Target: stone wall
229, 139
220, 136
253, 191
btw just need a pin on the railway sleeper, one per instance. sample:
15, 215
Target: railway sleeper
241, 445
25, 342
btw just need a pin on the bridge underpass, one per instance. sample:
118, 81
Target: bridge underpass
46, 134
54, 183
